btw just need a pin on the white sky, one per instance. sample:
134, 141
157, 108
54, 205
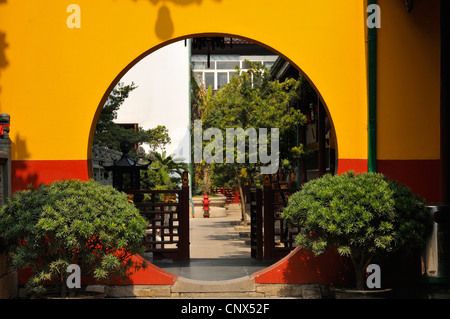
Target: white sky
162, 95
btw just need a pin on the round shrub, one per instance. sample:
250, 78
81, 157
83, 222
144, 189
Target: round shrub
362, 215
71, 222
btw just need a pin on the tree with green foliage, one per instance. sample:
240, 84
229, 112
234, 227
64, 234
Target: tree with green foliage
200, 97
252, 100
165, 172
113, 136
362, 215
72, 222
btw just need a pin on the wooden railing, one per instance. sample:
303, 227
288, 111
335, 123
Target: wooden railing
231, 194
271, 236
167, 213
256, 230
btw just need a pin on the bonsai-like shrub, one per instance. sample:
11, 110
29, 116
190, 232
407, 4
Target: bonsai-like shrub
361, 215
71, 222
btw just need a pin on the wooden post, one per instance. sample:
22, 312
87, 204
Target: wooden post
184, 243
303, 169
8, 277
269, 227
321, 139
259, 224
445, 103
5, 158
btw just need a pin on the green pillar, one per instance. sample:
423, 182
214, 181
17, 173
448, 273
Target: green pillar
372, 95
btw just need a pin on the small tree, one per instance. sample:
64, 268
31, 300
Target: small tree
71, 222
165, 172
111, 135
362, 215
252, 100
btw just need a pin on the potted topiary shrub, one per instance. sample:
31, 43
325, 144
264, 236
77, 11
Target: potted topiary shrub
362, 215
71, 222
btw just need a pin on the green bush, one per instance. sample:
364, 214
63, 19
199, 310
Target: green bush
362, 215
71, 222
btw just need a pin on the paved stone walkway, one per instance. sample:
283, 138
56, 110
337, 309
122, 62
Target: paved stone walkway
219, 250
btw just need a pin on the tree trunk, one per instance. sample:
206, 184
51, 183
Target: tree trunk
360, 264
360, 274
206, 179
241, 194
63, 286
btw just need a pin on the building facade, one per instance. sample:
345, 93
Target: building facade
55, 77
215, 67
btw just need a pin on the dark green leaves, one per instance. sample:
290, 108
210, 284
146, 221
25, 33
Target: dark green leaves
357, 213
71, 222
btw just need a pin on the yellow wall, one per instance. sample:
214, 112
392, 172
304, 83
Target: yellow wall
409, 81
55, 77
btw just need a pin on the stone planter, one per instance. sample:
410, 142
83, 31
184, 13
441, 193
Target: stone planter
218, 201
341, 293
214, 212
80, 295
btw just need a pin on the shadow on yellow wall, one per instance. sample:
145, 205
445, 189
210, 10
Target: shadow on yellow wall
164, 27
3, 45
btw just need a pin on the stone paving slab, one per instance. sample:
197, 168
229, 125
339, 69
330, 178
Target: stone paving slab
244, 284
219, 249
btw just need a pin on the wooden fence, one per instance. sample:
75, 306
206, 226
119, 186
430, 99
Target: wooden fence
167, 212
271, 236
231, 193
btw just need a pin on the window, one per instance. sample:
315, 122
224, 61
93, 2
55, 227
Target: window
209, 80
231, 74
246, 65
198, 65
268, 64
222, 79
227, 65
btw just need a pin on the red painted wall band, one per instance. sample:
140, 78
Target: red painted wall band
302, 267
423, 177
151, 275
24, 173
357, 165
37, 172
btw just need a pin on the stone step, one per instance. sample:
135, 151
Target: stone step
243, 287
242, 228
244, 234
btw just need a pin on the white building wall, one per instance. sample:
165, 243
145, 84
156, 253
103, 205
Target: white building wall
162, 96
